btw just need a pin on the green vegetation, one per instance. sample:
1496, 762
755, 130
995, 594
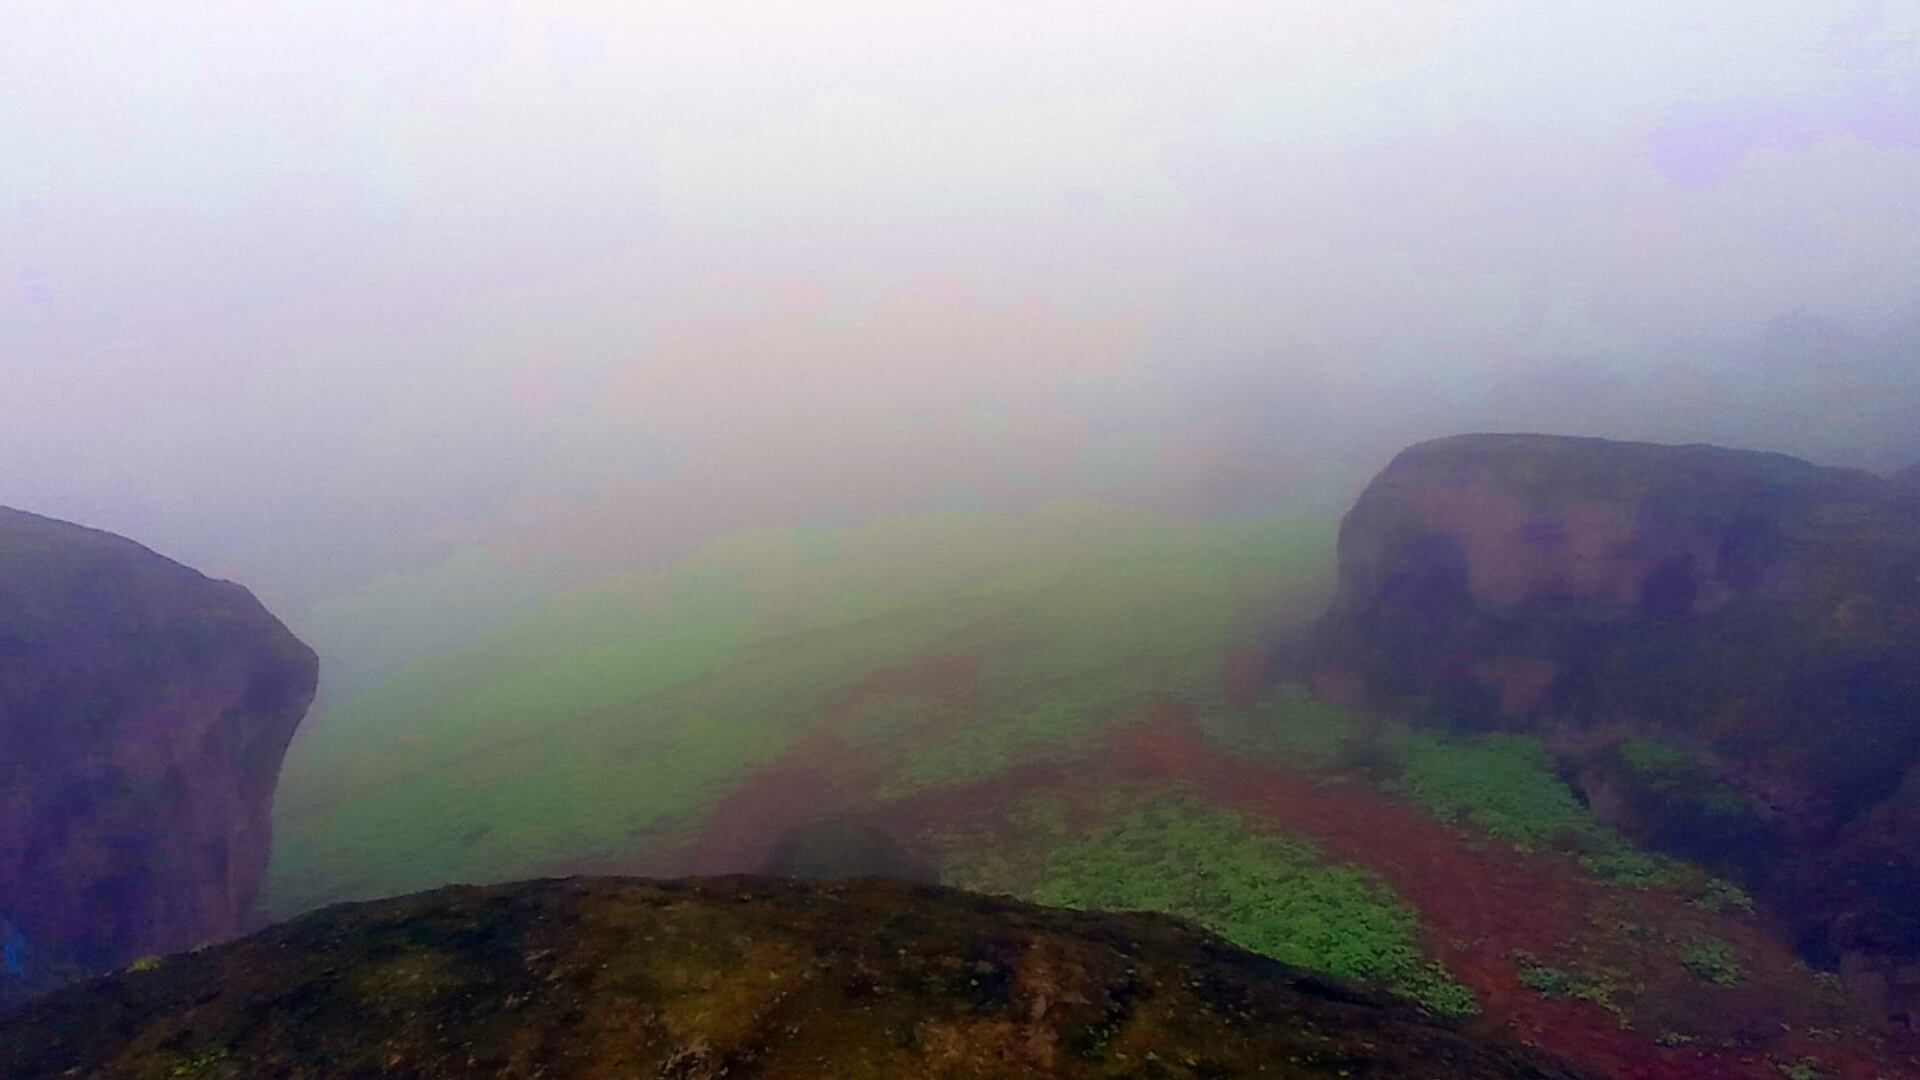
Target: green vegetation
1720, 895
1711, 960
198, 1063
1806, 1068
1602, 989
1612, 858
1673, 772
1288, 725
1652, 757
1505, 786
1673, 1039
602, 721
992, 745
1273, 896
1543, 980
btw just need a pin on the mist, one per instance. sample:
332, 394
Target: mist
499, 502
311, 296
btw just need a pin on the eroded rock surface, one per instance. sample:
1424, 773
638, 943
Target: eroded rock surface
1722, 646
144, 711
604, 977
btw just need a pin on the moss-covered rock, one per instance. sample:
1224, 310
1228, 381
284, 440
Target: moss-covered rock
1722, 647
734, 977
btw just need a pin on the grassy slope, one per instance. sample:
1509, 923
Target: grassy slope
587, 725
1266, 893
593, 725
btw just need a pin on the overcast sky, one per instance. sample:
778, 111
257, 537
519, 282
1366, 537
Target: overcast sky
302, 291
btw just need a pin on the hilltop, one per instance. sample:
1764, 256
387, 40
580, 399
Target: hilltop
736, 977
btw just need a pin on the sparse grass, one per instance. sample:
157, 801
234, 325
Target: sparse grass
1602, 989
1612, 858
1289, 725
992, 745
1541, 979
1711, 960
1721, 895
1673, 772
1806, 1068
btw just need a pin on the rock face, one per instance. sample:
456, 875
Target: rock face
144, 711
733, 977
1722, 646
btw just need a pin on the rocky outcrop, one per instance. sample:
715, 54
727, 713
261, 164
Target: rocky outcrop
144, 711
1722, 646
734, 977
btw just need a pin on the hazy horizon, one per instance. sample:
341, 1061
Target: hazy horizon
309, 296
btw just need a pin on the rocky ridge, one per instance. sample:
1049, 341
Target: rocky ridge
603, 977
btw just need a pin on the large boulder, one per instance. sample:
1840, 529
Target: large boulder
1722, 646
144, 711
739, 977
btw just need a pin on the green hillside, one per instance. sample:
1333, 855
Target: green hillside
600, 722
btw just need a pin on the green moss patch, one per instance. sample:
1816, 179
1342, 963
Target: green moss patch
1711, 960
1271, 895
1505, 785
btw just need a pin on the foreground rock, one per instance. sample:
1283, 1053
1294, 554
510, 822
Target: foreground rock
144, 710
732, 977
1722, 646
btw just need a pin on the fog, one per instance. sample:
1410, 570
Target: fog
307, 294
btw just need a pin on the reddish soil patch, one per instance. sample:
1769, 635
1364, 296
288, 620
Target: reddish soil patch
818, 777
1480, 900
746, 825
